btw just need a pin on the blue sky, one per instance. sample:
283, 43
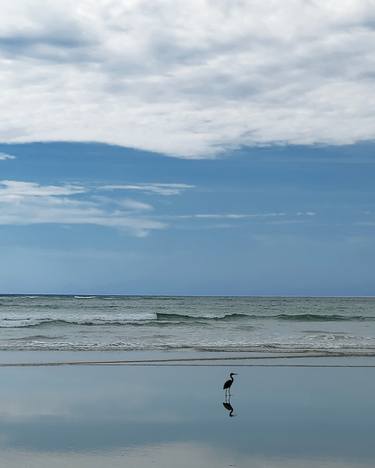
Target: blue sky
173, 147
94, 218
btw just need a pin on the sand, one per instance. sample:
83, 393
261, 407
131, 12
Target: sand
170, 413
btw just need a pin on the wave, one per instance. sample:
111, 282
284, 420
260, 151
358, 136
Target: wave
263, 351
186, 317
38, 322
84, 297
166, 319
32, 338
324, 317
93, 323
292, 317
157, 319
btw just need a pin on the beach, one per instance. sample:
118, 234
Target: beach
93, 381
138, 411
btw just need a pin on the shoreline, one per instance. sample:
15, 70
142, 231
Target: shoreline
94, 295
182, 358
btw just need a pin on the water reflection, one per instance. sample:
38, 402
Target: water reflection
228, 406
116, 416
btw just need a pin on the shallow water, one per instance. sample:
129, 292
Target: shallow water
168, 416
111, 323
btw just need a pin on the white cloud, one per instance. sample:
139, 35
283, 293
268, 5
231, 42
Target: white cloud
187, 78
27, 203
232, 215
134, 205
270, 217
15, 190
6, 157
306, 213
157, 188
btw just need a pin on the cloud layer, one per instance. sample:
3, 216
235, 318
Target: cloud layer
187, 78
165, 190
27, 203
6, 157
24, 203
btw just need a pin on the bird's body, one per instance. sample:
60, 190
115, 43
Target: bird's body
227, 385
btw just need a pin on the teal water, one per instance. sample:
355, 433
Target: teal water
117, 323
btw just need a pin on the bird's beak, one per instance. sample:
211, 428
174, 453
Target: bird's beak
234, 373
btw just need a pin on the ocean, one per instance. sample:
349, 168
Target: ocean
332, 326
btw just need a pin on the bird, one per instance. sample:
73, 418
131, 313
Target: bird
228, 383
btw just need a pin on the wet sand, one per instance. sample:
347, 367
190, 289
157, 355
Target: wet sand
170, 414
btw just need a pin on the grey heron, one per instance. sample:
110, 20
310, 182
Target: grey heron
228, 383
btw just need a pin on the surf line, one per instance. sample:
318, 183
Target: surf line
201, 361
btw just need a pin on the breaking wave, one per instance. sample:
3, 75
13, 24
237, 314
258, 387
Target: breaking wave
160, 319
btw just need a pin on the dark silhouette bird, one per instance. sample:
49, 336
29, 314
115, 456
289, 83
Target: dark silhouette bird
228, 407
228, 383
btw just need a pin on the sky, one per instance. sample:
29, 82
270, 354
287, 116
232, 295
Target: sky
201, 147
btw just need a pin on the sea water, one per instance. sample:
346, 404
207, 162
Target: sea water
261, 324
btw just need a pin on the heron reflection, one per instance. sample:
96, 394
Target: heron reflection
228, 406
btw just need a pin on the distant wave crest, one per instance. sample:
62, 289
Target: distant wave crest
186, 317
292, 317
323, 317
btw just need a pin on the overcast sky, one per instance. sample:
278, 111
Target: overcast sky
212, 146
